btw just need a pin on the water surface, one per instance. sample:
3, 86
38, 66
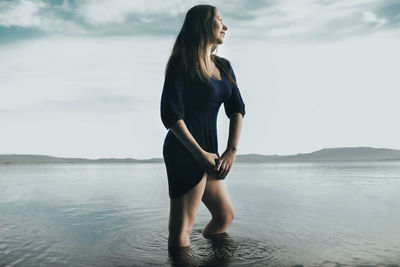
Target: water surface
310, 214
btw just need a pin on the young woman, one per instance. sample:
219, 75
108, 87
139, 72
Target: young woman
196, 83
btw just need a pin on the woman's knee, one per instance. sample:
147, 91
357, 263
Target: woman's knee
226, 218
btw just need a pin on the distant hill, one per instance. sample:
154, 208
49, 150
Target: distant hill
21, 158
326, 154
329, 154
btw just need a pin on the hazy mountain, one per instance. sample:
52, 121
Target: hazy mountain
327, 154
20, 158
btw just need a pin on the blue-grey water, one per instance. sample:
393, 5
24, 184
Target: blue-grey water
310, 214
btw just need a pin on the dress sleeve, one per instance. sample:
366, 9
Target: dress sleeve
235, 102
172, 106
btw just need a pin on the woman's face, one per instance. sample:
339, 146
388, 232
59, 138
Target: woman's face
219, 28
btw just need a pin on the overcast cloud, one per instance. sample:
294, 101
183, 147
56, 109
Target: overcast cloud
84, 78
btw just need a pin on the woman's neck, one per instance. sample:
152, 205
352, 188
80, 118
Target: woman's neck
208, 51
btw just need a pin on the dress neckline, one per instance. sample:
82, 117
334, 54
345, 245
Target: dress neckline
220, 74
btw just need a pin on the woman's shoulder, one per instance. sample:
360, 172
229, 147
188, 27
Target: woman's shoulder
224, 61
174, 65
174, 60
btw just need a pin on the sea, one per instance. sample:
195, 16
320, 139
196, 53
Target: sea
287, 214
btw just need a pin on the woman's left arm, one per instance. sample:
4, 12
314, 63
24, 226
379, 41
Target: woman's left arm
227, 158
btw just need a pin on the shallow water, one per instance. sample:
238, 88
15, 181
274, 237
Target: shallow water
310, 214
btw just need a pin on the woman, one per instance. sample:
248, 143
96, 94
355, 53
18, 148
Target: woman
196, 83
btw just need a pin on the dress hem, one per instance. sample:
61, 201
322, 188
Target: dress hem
189, 188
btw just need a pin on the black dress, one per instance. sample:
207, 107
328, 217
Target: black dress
197, 103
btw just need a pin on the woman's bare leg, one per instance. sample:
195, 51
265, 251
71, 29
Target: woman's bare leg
218, 202
182, 215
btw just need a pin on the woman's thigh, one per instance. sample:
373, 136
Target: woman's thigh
216, 197
183, 210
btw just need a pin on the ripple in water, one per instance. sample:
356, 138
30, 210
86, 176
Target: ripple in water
225, 250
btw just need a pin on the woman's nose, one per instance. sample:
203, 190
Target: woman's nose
225, 27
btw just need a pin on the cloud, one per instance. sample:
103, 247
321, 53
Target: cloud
308, 20
24, 13
370, 17
268, 19
32, 18
118, 11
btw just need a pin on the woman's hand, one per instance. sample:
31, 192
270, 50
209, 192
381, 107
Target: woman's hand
225, 162
208, 161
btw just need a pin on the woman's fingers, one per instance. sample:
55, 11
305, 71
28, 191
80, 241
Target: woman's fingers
222, 169
226, 170
218, 166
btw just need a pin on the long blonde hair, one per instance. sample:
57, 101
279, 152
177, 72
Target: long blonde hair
191, 44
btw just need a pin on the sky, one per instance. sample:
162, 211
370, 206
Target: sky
84, 78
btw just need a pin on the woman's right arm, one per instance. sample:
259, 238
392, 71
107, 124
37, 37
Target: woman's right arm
182, 133
207, 160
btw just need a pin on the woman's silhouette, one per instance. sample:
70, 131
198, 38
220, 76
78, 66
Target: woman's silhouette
196, 84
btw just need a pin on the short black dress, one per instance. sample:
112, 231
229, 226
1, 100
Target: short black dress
197, 103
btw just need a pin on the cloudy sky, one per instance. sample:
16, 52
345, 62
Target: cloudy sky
84, 78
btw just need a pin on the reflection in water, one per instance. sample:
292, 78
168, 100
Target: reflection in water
219, 253
180, 256
223, 250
